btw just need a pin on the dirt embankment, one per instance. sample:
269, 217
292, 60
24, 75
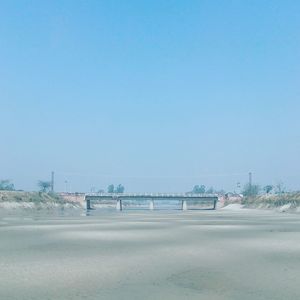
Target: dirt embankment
34, 200
78, 198
282, 202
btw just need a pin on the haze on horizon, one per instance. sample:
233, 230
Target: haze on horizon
156, 95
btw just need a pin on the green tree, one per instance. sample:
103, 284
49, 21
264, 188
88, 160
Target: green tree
198, 189
111, 188
268, 188
251, 190
120, 189
6, 185
44, 186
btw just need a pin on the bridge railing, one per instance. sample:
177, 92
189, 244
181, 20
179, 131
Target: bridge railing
163, 195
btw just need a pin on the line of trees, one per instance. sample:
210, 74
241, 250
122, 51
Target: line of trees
7, 185
45, 187
255, 189
248, 190
119, 189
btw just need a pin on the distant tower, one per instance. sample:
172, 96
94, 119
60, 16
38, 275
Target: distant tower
250, 179
52, 182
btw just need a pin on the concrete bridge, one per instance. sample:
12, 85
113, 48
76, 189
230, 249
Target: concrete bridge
184, 198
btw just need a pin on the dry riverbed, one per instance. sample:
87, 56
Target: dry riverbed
224, 254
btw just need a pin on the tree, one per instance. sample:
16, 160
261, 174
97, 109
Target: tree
119, 189
44, 186
6, 185
111, 188
251, 190
268, 188
198, 189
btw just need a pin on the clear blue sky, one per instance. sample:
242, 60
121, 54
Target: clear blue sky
157, 95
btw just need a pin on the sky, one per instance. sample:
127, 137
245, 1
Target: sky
156, 95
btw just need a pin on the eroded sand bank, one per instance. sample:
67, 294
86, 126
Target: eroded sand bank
245, 254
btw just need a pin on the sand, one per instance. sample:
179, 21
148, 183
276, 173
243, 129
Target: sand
225, 254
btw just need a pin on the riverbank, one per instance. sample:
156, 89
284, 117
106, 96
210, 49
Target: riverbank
287, 202
34, 201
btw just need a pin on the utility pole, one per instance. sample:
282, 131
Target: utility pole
66, 186
250, 179
52, 182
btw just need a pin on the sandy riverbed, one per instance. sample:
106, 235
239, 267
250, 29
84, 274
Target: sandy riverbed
243, 254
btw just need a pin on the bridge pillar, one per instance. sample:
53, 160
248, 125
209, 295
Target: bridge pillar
119, 204
215, 204
88, 204
184, 205
151, 205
